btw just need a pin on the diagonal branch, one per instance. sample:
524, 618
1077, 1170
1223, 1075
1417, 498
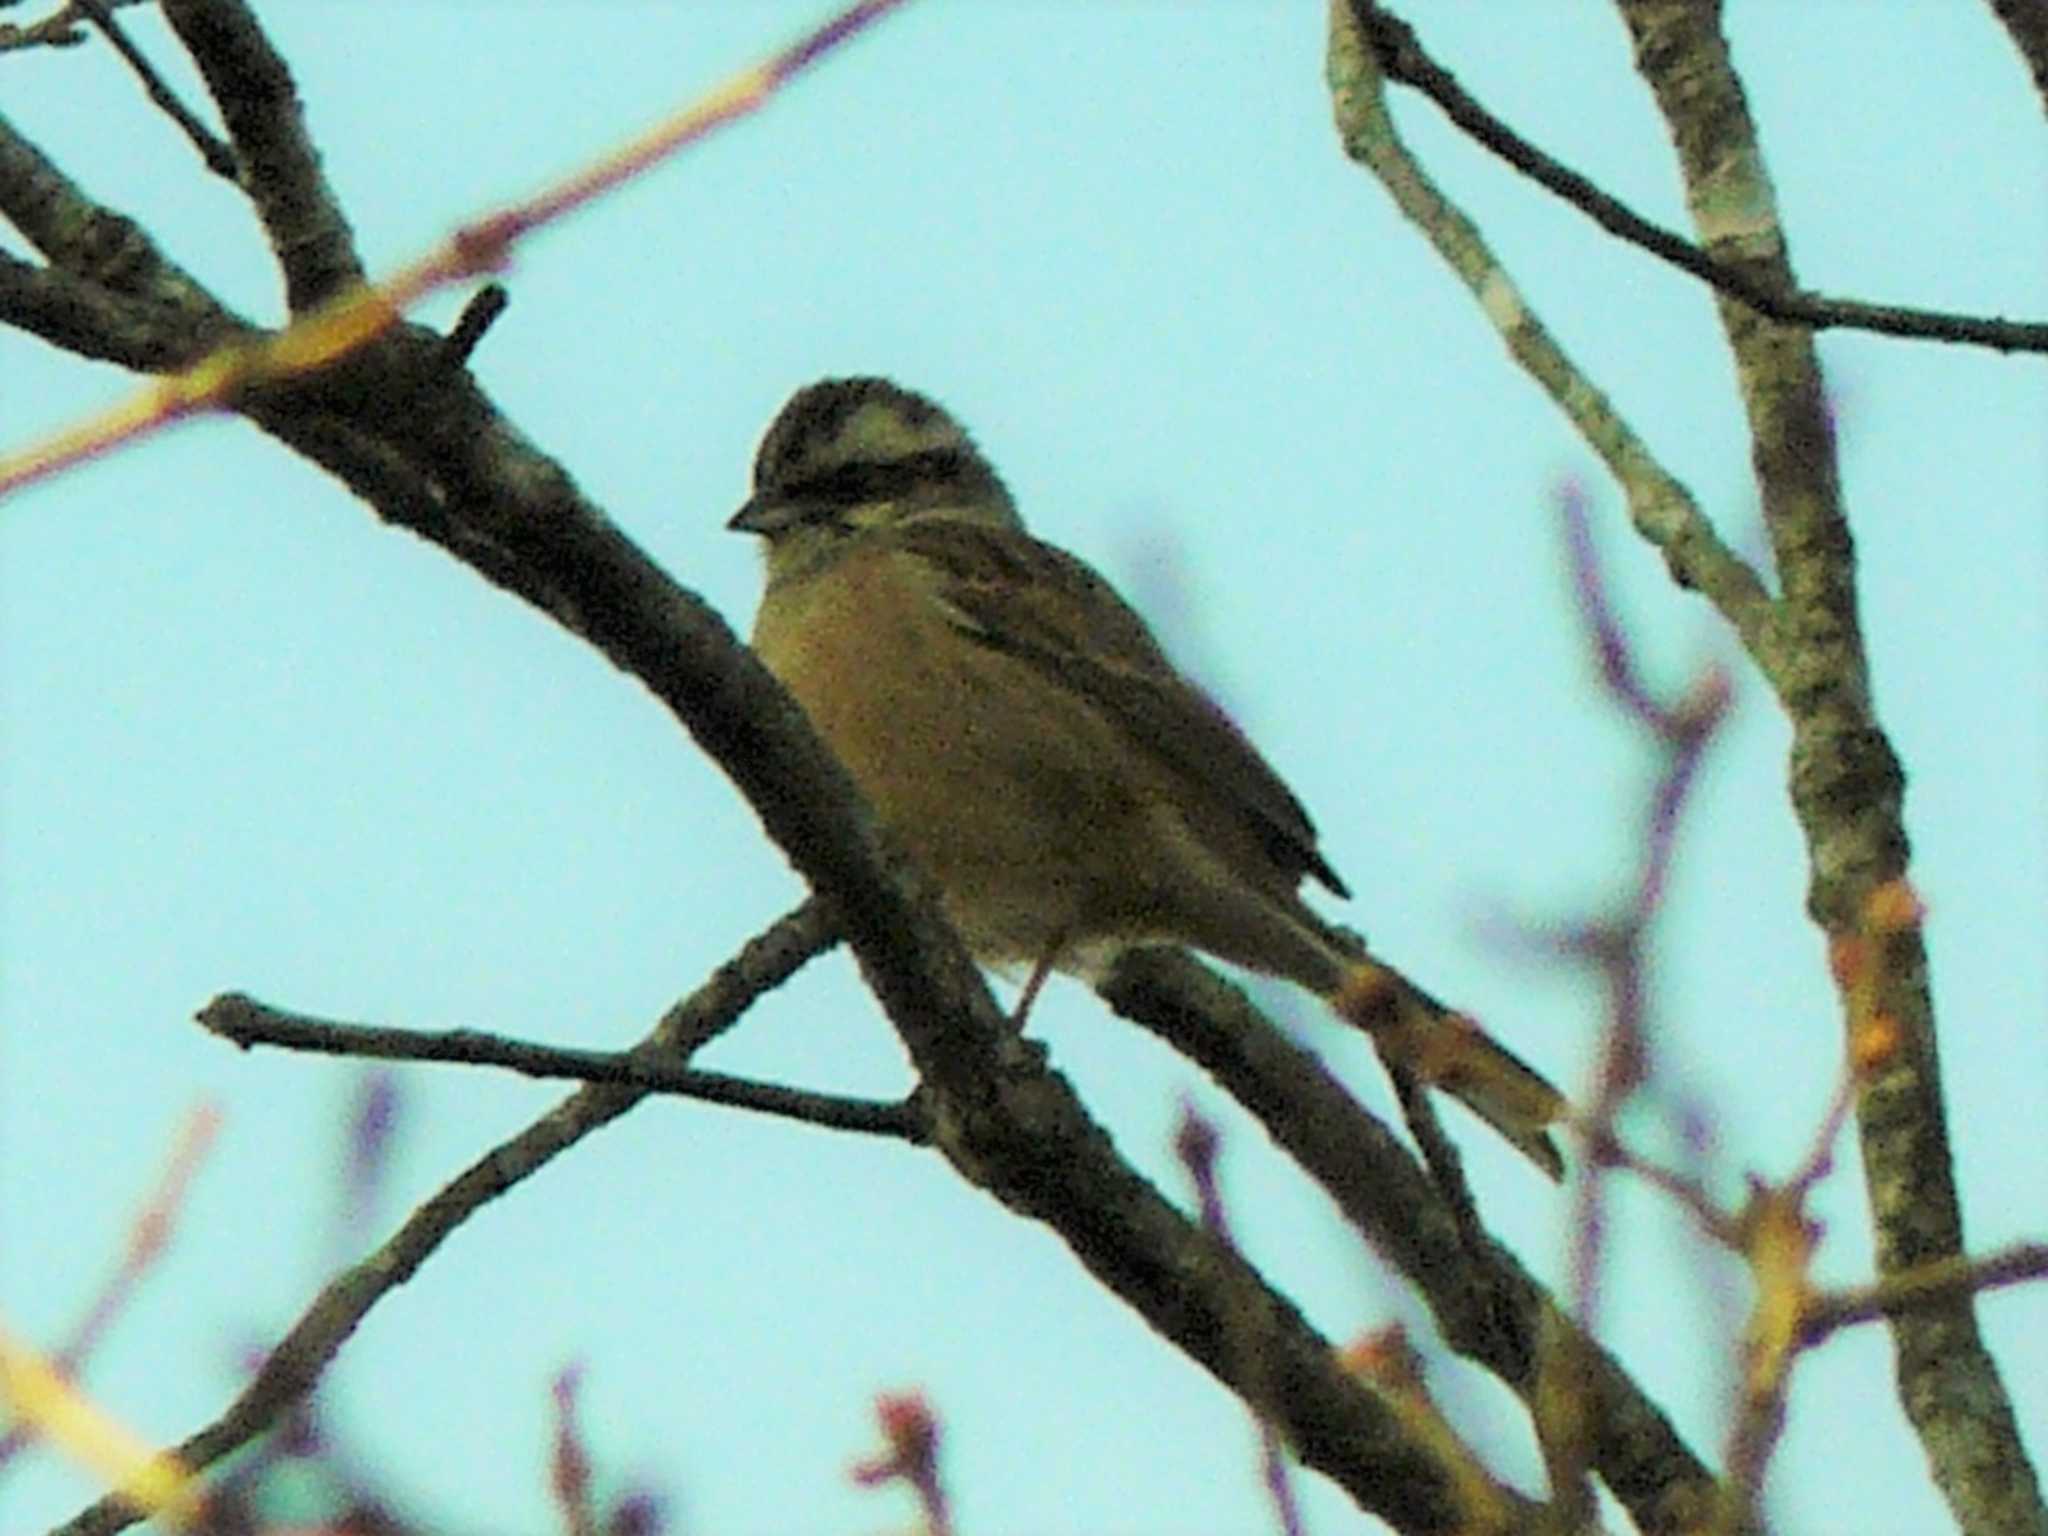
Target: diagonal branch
279, 168
2026, 21
290, 1369
1486, 1305
82, 317
91, 241
1662, 509
218, 157
1403, 58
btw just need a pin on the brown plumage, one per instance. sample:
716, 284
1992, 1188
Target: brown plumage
1021, 732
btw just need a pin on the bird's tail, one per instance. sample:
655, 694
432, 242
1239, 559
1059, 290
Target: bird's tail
1448, 1050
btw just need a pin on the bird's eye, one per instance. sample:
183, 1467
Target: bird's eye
843, 486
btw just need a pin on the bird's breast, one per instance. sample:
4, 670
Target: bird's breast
1008, 789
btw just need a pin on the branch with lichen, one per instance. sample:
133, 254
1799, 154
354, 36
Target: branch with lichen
1807, 642
1402, 57
1847, 783
1663, 511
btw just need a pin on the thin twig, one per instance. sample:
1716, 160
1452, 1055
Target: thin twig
478, 315
569, 1465
1402, 57
62, 28
911, 1433
1663, 511
1616, 948
1196, 1142
290, 1370
219, 158
312, 240
148, 1237
371, 1127
245, 1022
1935, 1284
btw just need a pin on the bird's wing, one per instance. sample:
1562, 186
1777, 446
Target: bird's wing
1042, 606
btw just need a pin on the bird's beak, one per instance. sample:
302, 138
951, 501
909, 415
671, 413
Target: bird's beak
772, 516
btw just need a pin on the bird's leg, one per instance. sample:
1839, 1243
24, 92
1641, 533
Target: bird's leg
1039, 971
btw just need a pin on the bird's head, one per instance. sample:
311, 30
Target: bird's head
846, 456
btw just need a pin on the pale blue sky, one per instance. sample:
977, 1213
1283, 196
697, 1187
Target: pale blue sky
255, 740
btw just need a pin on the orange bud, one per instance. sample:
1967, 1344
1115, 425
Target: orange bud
1873, 1043
1383, 1357
1893, 907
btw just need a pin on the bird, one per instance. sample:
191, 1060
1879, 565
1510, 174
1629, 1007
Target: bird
1023, 736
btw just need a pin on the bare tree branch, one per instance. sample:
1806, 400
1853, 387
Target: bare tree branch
227, 36
64, 27
1616, 946
1847, 786
92, 242
296, 1362
279, 168
1662, 509
1402, 57
81, 317
2027, 23
1486, 1305
1845, 781
245, 1022
1931, 1285
218, 157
